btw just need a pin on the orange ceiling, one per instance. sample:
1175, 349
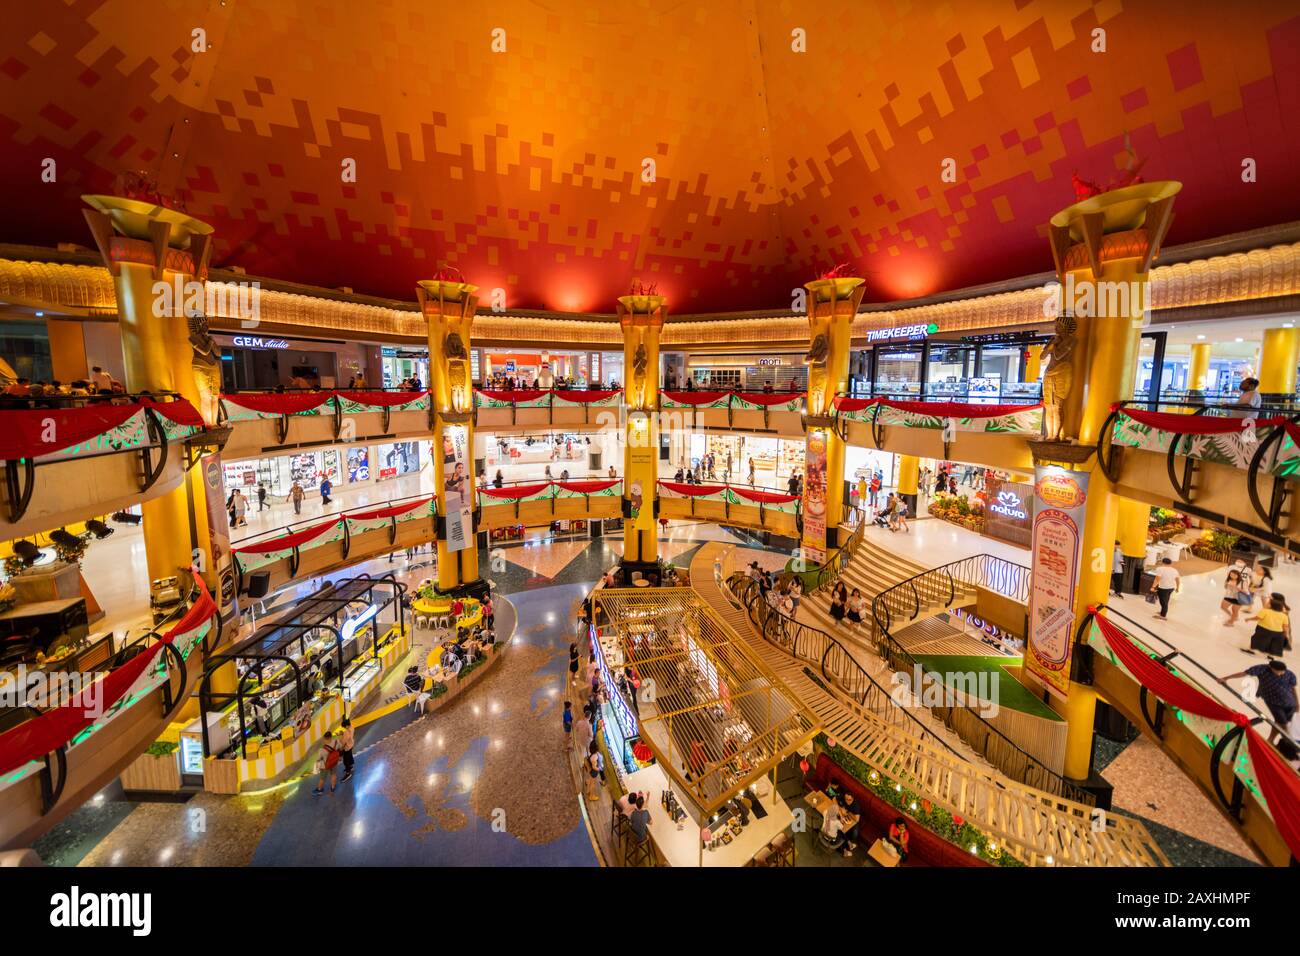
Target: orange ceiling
523, 168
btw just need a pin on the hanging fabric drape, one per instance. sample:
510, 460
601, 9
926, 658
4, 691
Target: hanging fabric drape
55, 728
1196, 424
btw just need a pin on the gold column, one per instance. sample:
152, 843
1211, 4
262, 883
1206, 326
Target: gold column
1104, 248
909, 474
1278, 356
1131, 527
448, 308
153, 253
832, 305
642, 319
1198, 366
1033, 363
67, 350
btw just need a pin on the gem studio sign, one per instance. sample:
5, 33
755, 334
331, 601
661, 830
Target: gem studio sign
257, 342
1009, 505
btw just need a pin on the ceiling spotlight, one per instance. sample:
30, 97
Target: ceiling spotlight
63, 537
98, 528
1201, 337
27, 551
1240, 339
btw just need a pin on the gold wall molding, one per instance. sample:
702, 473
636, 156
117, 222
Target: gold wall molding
87, 291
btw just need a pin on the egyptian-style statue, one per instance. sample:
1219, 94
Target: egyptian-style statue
454, 348
818, 351
1058, 380
206, 363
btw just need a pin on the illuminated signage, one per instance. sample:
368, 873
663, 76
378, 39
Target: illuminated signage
257, 342
902, 332
1009, 505
769, 361
350, 626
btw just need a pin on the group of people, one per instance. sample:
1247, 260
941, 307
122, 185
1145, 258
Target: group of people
847, 605
335, 748
98, 386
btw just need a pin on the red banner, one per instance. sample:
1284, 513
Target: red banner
957, 409
696, 398
1193, 424
391, 511
381, 399
287, 541
518, 395
844, 404
588, 487
584, 397
763, 497
692, 491
31, 432
769, 398
35, 738
516, 491
279, 403
178, 410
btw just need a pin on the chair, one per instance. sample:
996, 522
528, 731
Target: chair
638, 853
824, 842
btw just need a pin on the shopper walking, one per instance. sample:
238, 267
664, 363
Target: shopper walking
566, 719
1235, 596
296, 494
239, 505
1277, 689
326, 486
595, 764
1167, 581
347, 740
327, 762
1272, 628
1117, 572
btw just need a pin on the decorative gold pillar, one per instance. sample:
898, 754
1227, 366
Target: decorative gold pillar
1198, 366
1104, 248
832, 305
1278, 355
641, 316
1033, 363
448, 308
67, 350
159, 261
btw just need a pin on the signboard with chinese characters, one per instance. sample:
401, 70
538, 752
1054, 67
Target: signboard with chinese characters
1060, 503
814, 498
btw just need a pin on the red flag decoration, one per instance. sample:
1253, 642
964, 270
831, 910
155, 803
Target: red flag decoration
390, 511
692, 491
588, 487
515, 492
763, 497
695, 398
178, 410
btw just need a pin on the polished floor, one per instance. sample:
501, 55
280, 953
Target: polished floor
486, 779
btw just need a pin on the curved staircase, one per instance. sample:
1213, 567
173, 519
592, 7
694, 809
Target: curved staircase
1036, 827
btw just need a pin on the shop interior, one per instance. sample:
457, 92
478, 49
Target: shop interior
986, 369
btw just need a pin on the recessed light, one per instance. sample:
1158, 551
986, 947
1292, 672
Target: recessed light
1240, 339
1200, 336
39, 314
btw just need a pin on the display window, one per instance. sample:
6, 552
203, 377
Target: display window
358, 465
397, 459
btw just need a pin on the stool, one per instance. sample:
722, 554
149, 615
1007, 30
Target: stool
638, 854
764, 857
618, 824
782, 850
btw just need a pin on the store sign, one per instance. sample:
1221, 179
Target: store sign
257, 342
352, 624
1009, 505
456, 487
386, 473
902, 332
769, 362
1060, 498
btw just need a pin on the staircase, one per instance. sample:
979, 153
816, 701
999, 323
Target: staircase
1035, 827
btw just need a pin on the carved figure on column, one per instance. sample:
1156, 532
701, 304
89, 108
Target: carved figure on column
206, 363
1058, 380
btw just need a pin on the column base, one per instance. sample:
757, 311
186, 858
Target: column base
1097, 785
477, 589
646, 568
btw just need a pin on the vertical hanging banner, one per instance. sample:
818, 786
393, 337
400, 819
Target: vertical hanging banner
1060, 503
456, 487
814, 498
223, 572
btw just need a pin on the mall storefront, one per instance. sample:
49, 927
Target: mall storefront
913, 363
267, 362
345, 468
739, 373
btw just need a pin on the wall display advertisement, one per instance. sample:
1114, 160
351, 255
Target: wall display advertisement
398, 458
358, 464
456, 487
219, 538
1007, 510
814, 498
1060, 503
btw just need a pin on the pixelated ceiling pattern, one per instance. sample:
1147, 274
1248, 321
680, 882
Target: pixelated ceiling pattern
523, 168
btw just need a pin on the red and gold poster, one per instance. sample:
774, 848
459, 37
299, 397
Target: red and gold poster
814, 499
1060, 503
